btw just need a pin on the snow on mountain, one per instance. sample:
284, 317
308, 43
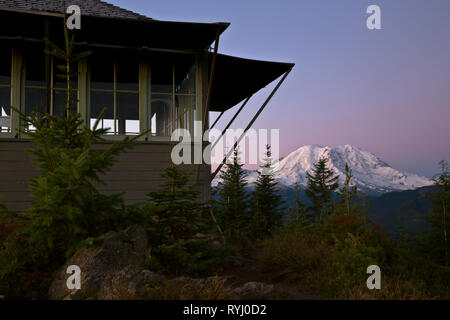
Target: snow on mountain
370, 174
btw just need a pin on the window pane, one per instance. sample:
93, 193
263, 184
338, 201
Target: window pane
35, 100
35, 65
5, 119
102, 77
4, 79
161, 72
127, 74
99, 101
185, 71
5, 66
5, 91
35, 97
102, 71
161, 120
128, 113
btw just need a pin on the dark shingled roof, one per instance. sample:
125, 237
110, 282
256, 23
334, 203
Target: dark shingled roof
94, 8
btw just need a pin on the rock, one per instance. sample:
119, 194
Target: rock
255, 290
132, 282
186, 281
102, 265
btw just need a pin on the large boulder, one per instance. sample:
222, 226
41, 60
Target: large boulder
104, 264
115, 269
131, 283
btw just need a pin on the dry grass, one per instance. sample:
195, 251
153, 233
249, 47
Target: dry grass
214, 288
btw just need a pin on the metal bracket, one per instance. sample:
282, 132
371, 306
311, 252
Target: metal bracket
251, 123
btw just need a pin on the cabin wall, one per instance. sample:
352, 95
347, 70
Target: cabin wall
137, 172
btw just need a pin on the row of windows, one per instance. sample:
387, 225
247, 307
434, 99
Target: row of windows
113, 85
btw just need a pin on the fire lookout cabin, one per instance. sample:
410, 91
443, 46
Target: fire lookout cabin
153, 76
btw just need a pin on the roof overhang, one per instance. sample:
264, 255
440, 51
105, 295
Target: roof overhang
149, 33
236, 78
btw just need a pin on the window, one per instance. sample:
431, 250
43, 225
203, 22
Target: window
115, 86
36, 85
162, 94
173, 93
5, 90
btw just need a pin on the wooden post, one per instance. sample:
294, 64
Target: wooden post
144, 97
17, 89
48, 68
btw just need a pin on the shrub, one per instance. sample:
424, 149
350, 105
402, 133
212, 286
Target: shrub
181, 230
331, 259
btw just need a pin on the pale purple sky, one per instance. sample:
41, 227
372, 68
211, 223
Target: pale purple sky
386, 91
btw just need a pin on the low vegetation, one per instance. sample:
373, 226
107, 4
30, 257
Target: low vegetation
331, 260
326, 247
214, 289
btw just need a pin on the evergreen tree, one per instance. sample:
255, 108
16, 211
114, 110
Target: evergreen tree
347, 194
181, 227
298, 213
436, 241
322, 182
266, 202
67, 210
232, 203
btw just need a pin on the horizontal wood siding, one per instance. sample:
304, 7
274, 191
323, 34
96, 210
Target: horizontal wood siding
137, 173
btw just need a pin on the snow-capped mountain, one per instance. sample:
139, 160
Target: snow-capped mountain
370, 174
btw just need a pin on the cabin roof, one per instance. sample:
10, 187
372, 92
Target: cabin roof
94, 8
237, 78
106, 23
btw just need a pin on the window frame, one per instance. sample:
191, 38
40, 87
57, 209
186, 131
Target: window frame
53, 89
11, 131
190, 113
115, 91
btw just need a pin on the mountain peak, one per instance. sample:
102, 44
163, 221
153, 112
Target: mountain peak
370, 173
